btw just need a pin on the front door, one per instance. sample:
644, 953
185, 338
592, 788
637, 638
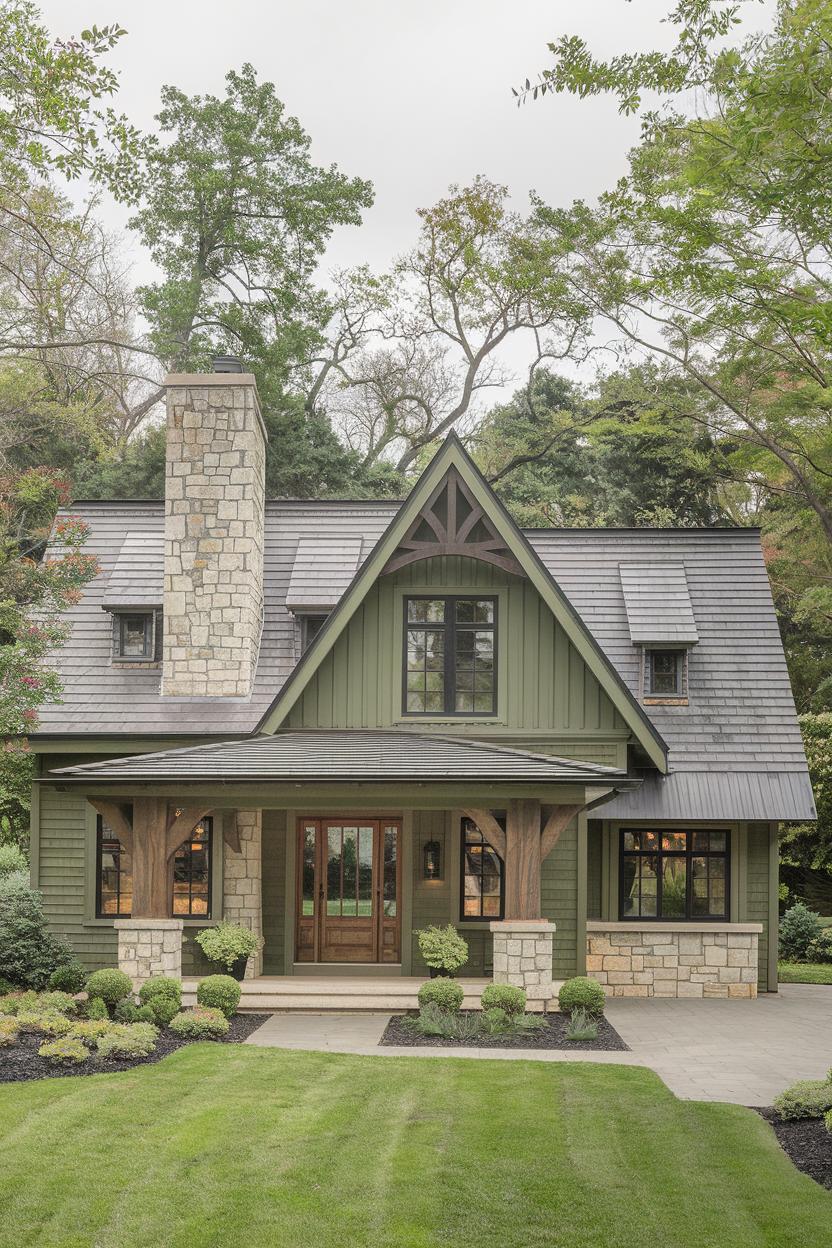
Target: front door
348, 890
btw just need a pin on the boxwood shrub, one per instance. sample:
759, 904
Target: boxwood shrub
163, 997
808, 1098
506, 997
581, 993
128, 1012
110, 985
201, 1023
65, 1049
70, 978
219, 992
97, 1009
444, 993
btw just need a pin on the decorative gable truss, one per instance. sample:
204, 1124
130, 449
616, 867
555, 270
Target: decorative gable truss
452, 522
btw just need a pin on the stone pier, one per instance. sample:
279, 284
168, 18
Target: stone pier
148, 947
523, 957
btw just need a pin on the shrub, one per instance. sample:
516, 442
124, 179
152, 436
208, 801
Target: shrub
581, 1026
219, 992
496, 1020
65, 1049
163, 1009
581, 993
820, 949
90, 1029
49, 1022
13, 1002
799, 926
504, 997
61, 1002
227, 943
201, 1023
443, 948
29, 953
827, 1118
6, 986
443, 993
130, 1040
110, 985
96, 1009
9, 1027
808, 1098
70, 978
128, 1012
12, 860
161, 986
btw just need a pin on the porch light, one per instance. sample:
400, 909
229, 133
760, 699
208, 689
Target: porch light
433, 860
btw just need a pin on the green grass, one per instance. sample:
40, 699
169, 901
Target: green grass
239, 1146
804, 972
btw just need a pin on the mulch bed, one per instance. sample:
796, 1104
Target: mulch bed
807, 1143
21, 1060
552, 1036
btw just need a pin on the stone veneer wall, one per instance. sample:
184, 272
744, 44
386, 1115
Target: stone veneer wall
674, 959
523, 951
149, 947
214, 517
242, 882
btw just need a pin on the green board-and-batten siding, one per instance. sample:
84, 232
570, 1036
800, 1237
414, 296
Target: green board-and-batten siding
543, 684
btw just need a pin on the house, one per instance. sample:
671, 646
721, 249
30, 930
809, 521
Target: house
340, 721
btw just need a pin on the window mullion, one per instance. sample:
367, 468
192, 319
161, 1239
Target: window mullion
450, 650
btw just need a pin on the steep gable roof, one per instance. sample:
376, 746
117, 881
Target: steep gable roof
452, 468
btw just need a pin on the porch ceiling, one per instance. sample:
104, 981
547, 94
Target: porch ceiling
349, 755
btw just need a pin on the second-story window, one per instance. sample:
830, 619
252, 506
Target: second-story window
450, 656
134, 636
665, 673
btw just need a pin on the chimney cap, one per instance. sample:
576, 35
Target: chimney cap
227, 364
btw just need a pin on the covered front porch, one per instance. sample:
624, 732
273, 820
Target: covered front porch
338, 848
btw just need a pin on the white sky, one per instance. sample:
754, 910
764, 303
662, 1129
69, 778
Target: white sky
412, 94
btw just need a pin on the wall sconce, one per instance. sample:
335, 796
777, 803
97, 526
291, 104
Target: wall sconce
432, 852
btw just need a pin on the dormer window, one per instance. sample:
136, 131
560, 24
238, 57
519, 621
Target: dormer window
310, 626
134, 636
665, 673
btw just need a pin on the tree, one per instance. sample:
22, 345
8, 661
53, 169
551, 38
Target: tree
714, 254
34, 591
237, 216
806, 848
478, 275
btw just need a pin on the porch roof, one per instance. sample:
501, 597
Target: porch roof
349, 754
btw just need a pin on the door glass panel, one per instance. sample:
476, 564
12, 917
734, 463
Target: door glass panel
308, 868
391, 848
333, 871
349, 859
365, 871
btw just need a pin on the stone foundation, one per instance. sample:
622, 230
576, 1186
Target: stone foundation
523, 957
149, 947
674, 959
242, 882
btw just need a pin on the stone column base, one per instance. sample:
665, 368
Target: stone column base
523, 956
149, 947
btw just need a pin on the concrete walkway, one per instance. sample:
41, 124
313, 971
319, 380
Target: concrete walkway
740, 1051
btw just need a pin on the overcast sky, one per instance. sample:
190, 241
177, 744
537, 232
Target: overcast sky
412, 95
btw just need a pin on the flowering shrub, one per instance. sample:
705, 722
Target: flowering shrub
66, 1049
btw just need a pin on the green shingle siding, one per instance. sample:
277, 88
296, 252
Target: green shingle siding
62, 877
757, 893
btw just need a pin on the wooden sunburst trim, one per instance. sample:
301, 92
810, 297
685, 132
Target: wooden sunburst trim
452, 515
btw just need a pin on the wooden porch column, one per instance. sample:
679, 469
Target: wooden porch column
522, 861
152, 837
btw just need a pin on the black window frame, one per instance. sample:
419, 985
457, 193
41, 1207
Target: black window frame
208, 823
463, 843
99, 849
688, 854
680, 656
449, 627
304, 620
120, 619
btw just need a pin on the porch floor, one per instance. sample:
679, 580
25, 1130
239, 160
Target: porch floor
343, 993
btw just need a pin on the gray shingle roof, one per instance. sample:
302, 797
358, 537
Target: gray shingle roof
658, 604
347, 755
741, 717
322, 570
137, 580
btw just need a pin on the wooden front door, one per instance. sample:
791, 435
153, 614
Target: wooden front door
348, 890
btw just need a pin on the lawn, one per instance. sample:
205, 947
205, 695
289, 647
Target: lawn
805, 972
243, 1146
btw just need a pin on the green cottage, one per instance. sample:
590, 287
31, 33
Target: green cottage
340, 721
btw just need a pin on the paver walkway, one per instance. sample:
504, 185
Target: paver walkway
740, 1051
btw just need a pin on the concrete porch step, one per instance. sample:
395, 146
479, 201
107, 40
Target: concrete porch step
344, 993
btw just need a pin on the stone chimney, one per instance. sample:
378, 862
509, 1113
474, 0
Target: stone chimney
214, 511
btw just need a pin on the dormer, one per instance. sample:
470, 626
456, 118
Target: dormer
662, 625
133, 597
321, 572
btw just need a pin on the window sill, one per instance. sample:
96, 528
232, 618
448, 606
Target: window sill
675, 925
188, 922
653, 701
410, 720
